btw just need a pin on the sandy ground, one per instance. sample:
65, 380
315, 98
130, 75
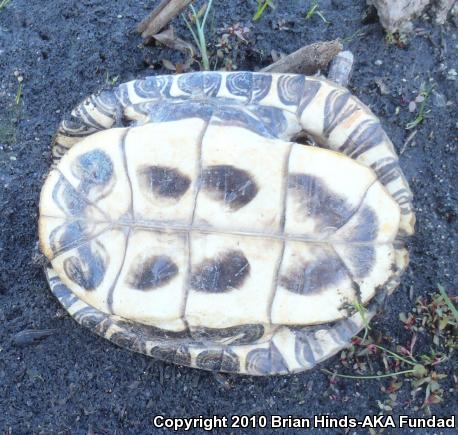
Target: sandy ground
75, 382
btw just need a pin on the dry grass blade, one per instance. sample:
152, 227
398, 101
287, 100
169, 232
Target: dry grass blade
170, 39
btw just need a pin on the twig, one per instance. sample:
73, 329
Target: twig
408, 140
307, 60
161, 16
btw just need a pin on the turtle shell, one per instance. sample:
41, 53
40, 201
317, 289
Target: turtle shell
185, 224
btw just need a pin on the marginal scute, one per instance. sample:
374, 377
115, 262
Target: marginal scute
365, 136
225, 273
261, 86
179, 354
235, 335
290, 89
218, 360
211, 84
338, 107
152, 87
89, 317
192, 84
266, 361
240, 84
311, 88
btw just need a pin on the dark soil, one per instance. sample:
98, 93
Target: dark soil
76, 382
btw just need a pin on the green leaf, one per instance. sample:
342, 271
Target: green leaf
419, 370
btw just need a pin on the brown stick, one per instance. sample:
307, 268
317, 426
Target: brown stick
308, 59
161, 16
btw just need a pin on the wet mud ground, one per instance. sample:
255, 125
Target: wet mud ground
76, 382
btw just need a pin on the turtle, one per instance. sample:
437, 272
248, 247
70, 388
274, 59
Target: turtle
186, 218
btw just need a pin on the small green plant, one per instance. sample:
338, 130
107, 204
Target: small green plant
4, 4
399, 39
422, 98
199, 19
355, 35
19, 89
315, 10
110, 81
262, 6
436, 316
435, 319
361, 310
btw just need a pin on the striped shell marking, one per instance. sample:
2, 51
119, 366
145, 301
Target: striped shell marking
181, 221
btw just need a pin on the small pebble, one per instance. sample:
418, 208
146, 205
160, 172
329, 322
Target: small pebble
438, 99
378, 62
451, 74
31, 336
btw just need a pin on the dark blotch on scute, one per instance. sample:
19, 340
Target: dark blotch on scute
152, 273
362, 260
165, 182
235, 187
319, 202
88, 269
311, 277
93, 168
227, 272
68, 236
67, 198
366, 227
